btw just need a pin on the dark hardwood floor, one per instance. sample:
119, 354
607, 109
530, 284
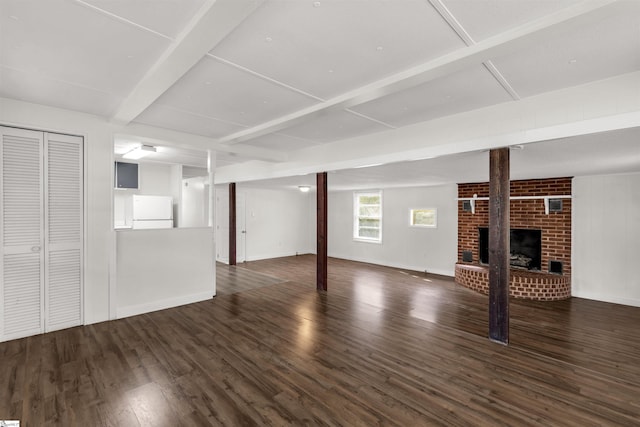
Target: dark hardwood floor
381, 347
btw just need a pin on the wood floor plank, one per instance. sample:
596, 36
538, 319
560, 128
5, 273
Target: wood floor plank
382, 347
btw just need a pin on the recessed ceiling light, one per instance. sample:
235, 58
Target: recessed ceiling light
207, 83
15, 18
316, 4
331, 71
265, 102
379, 48
573, 61
268, 39
304, 188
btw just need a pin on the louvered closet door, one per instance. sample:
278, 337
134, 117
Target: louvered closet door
21, 233
63, 231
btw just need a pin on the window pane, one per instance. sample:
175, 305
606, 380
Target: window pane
369, 200
369, 233
369, 211
424, 217
368, 216
368, 222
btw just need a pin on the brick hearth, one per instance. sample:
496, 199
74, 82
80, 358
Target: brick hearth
522, 284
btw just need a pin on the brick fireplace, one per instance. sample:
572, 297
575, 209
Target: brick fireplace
540, 223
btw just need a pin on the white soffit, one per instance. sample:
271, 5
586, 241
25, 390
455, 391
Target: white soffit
167, 17
184, 121
226, 159
597, 154
66, 41
280, 142
215, 89
464, 90
485, 18
163, 154
572, 55
327, 47
334, 126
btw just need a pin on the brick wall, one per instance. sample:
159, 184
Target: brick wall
556, 226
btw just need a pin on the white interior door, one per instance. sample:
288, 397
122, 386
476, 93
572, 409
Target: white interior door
222, 225
241, 228
41, 232
63, 231
22, 236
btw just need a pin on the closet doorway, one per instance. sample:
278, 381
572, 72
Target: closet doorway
41, 232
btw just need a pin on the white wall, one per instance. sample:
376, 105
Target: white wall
277, 222
194, 204
606, 238
158, 269
431, 249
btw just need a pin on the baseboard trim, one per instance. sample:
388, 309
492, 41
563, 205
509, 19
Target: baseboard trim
134, 310
449, 273
269, 256
606, 298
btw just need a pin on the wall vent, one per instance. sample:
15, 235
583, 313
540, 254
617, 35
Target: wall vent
555, 205
467, 256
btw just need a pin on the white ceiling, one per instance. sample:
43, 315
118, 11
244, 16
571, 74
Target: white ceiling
286, 75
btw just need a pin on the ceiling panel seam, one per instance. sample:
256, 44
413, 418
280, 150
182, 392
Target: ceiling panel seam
41, 75
204, 116
364, 116
451, 20
122, 19
266, 78
489, 65
286, 86
457, 27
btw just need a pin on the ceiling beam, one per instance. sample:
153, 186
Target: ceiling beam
476, 54
213, 22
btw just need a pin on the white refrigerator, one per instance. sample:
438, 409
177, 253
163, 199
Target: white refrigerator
151, 212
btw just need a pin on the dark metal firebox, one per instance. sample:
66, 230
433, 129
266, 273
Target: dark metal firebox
525, 248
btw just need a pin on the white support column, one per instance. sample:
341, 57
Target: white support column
211, 168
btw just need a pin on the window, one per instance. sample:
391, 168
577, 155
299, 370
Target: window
423, 217
367, 224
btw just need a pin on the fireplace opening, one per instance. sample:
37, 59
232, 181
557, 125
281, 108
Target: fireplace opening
525, 248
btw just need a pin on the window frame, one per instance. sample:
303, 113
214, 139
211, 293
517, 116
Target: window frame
435, 218
357, 216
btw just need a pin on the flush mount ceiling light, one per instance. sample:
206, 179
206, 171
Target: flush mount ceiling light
304, 188
139, 152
